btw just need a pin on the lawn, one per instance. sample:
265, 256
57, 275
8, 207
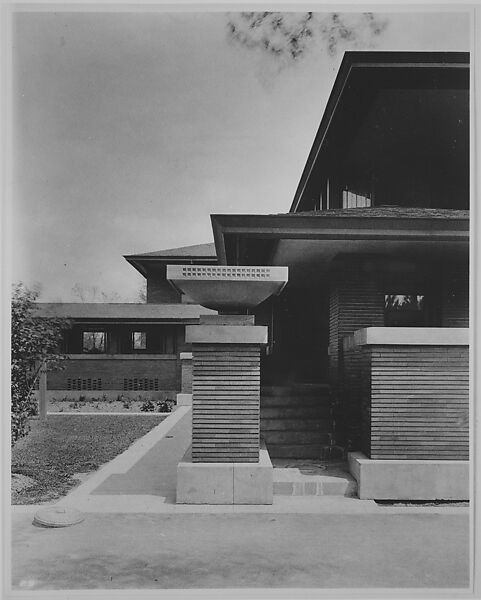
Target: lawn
46, 461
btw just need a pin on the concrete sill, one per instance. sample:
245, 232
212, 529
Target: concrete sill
414, 336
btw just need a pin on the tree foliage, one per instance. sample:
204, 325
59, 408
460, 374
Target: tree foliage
35, 341
288, 35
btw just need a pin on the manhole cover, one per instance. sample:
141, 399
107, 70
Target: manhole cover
57, 516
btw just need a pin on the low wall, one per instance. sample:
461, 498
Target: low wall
409, 390
133, 374
409, 479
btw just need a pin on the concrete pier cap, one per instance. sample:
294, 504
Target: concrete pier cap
227, 288
227, 462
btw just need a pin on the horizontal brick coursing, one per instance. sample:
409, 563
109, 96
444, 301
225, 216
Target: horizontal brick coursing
357, 289
355, 302
112, 373
416, 402
226, 403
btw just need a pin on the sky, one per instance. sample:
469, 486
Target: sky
130, 129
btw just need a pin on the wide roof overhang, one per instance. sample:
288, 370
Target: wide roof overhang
143, 263
314, 240
122, 312
360, 76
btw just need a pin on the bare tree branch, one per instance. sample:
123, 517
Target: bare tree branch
288, 36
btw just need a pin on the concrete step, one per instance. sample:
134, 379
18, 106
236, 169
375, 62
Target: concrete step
296, 437
312, 451
299, 412
277, 401
304, 389
314, 480
269, 424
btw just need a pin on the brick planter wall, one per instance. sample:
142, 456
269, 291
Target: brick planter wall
160, 373
411, 401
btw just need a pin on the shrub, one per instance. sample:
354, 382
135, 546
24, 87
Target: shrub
164, 406
35, 341
147, 406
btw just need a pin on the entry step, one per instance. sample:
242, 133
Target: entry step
312, 478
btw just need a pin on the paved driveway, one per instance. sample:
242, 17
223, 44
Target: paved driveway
243, 550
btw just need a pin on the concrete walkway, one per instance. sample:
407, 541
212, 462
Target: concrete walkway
155, 473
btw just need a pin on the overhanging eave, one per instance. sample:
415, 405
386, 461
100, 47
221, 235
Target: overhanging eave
382, 229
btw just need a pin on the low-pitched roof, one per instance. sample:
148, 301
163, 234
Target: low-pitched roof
188, 254
125, 311
383, 211
183, 251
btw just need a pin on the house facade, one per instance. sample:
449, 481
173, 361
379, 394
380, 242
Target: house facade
368, 342
125, 349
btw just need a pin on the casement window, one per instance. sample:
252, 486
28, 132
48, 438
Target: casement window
139, 340
94, 342
354, 200
404, 310
153, 339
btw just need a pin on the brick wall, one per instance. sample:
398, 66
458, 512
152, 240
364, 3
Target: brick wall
159, 289
355, 301
353, 419
226, 403
113, 371
412, 401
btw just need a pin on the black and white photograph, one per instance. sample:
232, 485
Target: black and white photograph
238, 293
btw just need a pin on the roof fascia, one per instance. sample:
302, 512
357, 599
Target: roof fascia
219, 240
291, 226
135, 321
138, 262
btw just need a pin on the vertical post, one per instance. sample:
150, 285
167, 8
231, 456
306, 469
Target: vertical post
42, 401
185, 396
186, 372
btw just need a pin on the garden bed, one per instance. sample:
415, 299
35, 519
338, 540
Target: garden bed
45, 462
123, 403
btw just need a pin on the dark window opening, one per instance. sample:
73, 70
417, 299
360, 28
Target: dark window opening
404, 310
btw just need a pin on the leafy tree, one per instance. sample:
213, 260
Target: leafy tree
35, 341
288, 35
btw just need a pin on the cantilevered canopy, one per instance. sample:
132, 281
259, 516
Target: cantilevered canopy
310, 241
